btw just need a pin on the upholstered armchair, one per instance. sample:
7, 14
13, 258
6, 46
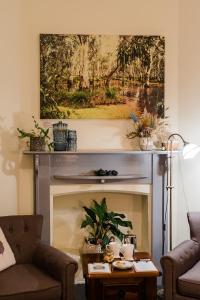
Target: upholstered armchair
181, 266
41, 272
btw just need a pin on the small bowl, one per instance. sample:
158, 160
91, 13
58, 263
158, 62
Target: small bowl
122, 264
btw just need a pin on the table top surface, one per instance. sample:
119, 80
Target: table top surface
115, 273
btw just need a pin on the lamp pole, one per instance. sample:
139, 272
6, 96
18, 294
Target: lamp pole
169, 190
170, 181
190, 151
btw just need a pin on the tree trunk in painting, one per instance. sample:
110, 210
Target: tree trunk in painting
84, 73
150, 66
109, 76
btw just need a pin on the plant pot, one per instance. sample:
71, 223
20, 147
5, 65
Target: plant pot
37, 143
146, 143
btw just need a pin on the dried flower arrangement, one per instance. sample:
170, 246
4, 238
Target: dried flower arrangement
143, 125
148, 125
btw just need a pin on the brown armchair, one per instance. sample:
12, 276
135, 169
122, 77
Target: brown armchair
181, 266
41, 271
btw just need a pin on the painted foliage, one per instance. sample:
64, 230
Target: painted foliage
101, 76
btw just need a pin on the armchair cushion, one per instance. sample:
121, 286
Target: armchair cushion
189, 282
25, 281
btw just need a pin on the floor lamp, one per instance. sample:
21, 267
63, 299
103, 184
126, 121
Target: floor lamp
189, 151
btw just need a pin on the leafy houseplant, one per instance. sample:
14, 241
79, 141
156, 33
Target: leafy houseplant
39, 137
103, 224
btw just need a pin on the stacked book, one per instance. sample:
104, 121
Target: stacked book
98, 268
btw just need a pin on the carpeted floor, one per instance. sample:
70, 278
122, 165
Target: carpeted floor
80, 293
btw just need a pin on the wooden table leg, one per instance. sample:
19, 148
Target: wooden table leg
92, 291
150, 288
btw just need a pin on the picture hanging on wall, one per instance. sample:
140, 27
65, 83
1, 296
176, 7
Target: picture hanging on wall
101, 76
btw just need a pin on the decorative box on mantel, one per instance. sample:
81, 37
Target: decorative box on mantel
70, 172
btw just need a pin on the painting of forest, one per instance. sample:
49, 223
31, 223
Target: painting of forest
101, 76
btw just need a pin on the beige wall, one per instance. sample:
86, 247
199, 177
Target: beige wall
189, 113
22, 21
10, 102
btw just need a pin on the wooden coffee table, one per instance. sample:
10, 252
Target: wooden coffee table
119, 284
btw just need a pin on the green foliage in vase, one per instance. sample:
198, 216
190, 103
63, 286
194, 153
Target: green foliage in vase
103, 224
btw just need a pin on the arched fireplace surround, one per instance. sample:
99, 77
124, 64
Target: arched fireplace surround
68, 173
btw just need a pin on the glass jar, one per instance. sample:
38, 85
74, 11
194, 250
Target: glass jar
60, 134
72, 140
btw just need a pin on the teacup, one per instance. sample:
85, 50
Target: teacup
127, 251
115, 247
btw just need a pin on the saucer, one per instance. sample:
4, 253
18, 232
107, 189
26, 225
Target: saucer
122, 264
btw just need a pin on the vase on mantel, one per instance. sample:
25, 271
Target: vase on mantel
37, 143
146, 143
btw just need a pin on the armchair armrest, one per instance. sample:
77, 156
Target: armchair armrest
177, 262
59, 265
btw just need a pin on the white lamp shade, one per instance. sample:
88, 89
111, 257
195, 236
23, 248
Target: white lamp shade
190, 151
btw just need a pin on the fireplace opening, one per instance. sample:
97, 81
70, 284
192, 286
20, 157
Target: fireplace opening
67, 215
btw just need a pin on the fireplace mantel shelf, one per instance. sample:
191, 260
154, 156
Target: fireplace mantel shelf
102, 179
106, 151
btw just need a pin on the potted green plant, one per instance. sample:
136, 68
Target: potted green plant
103, 224
38, 136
